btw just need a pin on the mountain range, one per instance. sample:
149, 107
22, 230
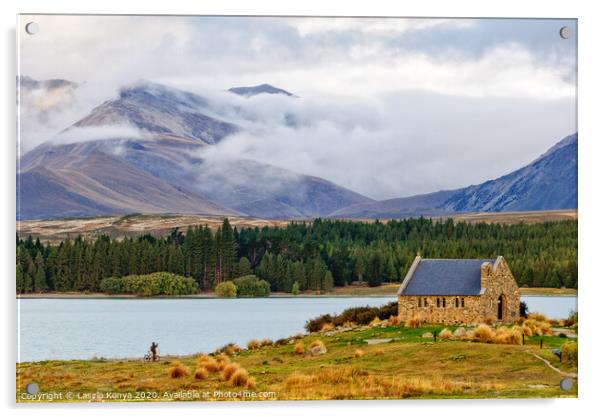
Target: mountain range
143, 152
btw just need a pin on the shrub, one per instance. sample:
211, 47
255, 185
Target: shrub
177, 370
524, 309
157, 283
201, 373
445, 334
394, 320
526, 330
569, 352
251, 286
226, 289
359, 315
299, 348
483, 333
358, 353
572, 319
208, 363
315, 325
295, 288
460, 332
239, 378
229, 370
253, 344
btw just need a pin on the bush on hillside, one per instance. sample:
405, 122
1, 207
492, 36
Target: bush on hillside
226, 289
158, 283
251, 286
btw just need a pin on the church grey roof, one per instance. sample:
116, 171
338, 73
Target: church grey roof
444, 277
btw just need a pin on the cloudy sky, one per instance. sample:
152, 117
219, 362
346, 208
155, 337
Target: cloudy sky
387, 107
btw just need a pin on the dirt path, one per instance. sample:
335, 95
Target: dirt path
569, 374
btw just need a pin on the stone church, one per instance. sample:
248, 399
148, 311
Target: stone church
459, 291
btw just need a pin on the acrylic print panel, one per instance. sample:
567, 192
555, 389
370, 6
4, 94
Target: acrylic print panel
217, 208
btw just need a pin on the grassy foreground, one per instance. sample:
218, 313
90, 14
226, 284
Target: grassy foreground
409, 366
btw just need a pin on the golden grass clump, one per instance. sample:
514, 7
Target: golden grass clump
394, 321
253, 344
348, 324
316, 344
490, 320
299, 348
231, 349
201, 373
445, 334
358, 353
526, 330
177, 370
537, 317
229, 370
569, 352
266, 342
413, 322
251, 383
375, 321
326, 327
379, 352
508, 336
239, 378
208, 362
538, 327
222, 360
483, 333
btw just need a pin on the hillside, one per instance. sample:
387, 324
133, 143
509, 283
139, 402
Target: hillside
547, 183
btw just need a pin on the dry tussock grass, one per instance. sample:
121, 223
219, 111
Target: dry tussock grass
483, 333
266, 342
350, 382
299, 348
201, 373
358, 353
538, 327
379, 352
229, 370
326, 327
414, 322
253, 344
316, 344
239, 378
445, 334
375, 321
394, 321
570, 352
508, 336
177, 370
208, 362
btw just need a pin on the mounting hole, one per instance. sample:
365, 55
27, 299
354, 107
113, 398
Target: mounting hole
32, 388
566, 384
32, 28
565, 32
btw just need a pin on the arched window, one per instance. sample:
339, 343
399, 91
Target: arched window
425, 302
438, 302
443, 302
457, 302
462, 302
419, 302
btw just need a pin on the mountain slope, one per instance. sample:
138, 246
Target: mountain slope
162, 169
547, 183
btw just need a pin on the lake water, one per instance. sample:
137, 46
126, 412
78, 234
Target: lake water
122, 328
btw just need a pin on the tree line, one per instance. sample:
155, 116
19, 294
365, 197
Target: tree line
315, 256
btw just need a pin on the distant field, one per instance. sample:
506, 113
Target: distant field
518, 217
160, 225
125, 226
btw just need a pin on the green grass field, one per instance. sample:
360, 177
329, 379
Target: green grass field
407, 367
